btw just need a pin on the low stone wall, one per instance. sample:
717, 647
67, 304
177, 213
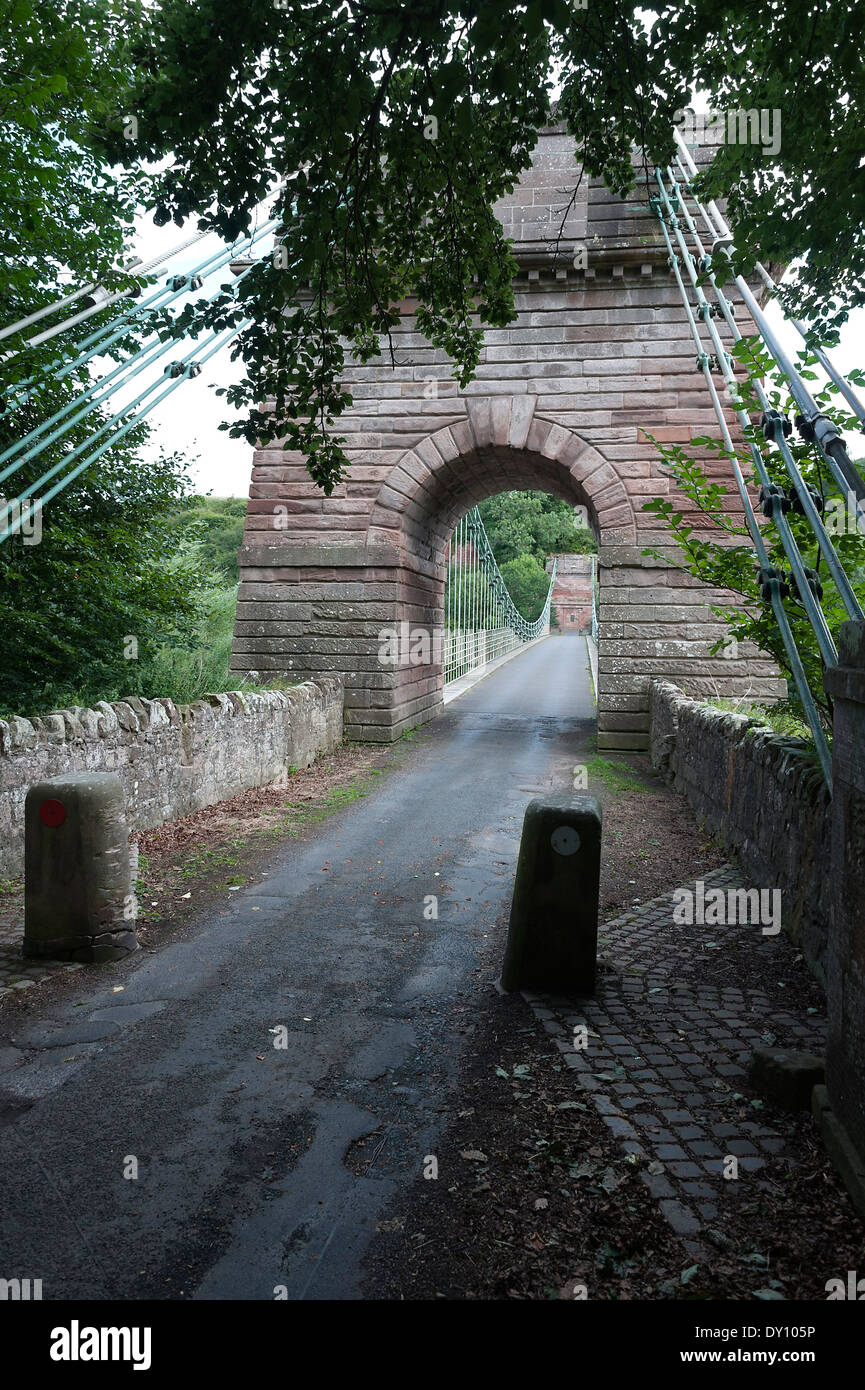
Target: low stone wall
172, 759
761, 795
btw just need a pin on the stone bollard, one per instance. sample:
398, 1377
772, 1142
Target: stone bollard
78, 892
553, 930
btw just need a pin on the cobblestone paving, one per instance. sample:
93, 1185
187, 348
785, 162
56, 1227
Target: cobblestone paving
667, 1052
16, 973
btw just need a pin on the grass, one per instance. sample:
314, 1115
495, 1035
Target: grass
198, 864
205, 859
780, 717
615, 776
334, 800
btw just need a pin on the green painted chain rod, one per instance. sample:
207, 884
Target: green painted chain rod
750, 518
669, 207
136, 268
105, 336
120, 376
24, 516
96, 393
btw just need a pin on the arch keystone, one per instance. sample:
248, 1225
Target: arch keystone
500, 419
480, 421
522, 414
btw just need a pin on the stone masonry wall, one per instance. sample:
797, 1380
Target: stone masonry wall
172, 759
762, 795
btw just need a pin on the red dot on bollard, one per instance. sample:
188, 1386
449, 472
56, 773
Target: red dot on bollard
52, 813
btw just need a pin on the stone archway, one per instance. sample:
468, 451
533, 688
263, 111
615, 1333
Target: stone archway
504, 444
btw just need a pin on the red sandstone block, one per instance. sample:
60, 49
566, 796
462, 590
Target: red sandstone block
537, 435
623, 382
629, 470
580, 420
650, 400
462, 437
522, 410
600, 477
445, 444
641, 489
613, 495
665, 434
618, 515
556, 442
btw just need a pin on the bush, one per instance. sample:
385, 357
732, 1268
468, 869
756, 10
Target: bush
184, 674
528, 584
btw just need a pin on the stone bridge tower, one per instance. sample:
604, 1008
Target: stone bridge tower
572, 592
564, 401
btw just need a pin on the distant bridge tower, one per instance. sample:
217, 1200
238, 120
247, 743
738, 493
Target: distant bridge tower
572, 592
564, 399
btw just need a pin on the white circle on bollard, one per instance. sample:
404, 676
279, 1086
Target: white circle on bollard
565, 840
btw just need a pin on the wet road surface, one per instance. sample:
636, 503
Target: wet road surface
262, 1167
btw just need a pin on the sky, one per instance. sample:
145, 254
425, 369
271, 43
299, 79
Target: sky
189, 419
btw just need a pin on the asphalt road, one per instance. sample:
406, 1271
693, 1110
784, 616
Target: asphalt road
261, 1167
